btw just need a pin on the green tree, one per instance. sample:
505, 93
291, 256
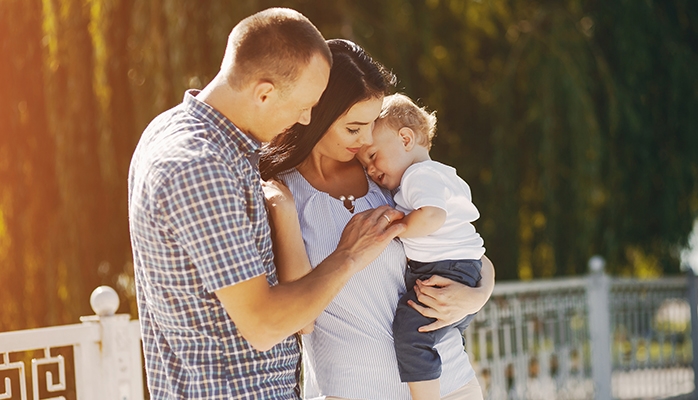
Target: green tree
574, 123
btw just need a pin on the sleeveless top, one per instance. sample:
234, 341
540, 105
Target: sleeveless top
350, 353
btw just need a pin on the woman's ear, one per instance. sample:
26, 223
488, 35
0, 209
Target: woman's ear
406, 136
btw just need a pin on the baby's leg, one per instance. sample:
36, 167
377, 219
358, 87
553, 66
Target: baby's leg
466, 272
425, 390
418, 362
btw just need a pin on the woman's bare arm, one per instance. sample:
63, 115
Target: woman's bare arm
290, 257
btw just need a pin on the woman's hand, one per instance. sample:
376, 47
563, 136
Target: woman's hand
449, 301
276, 195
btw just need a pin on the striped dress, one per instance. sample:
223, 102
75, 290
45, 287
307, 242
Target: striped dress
350, 353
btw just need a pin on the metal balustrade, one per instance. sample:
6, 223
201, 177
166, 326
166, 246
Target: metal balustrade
592, 337
531, 341
97, 359
651, 353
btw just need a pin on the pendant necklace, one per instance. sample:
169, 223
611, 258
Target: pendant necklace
348, 202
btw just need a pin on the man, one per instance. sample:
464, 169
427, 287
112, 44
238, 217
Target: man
215, 322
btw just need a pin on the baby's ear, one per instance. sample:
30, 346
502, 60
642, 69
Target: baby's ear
406, 137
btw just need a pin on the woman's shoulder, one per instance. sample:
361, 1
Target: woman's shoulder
300, 188
292, 178
288, 174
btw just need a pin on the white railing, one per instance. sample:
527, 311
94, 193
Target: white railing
592, 337
97, 359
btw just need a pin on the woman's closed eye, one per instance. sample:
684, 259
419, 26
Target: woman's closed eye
353, 131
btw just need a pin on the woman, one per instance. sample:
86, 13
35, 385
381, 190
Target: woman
351, 348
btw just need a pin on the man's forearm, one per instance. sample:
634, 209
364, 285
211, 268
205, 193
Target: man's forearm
267, 315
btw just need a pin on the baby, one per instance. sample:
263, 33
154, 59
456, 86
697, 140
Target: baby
439, 240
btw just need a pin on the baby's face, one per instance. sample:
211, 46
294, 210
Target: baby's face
386, 159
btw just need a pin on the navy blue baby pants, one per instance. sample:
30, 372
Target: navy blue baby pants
416, 356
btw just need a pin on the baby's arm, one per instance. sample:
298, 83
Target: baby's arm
290, 257
423, 221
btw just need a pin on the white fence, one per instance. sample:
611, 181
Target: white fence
590, 337
97, 359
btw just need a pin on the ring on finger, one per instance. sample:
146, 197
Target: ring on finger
387, 218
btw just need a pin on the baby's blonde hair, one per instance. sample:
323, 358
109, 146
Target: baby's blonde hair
400, 111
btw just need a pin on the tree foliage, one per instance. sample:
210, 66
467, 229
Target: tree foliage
574, 123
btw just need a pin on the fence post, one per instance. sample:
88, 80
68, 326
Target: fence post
693, 303
600, 327
120, 371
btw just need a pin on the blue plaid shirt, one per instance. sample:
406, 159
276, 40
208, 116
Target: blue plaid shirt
198, 224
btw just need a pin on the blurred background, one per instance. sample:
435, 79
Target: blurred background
574, 122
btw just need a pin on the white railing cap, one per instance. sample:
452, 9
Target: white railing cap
104, 301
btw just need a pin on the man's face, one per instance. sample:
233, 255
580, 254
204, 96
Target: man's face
294, 106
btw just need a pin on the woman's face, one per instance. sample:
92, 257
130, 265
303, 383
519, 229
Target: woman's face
350, 131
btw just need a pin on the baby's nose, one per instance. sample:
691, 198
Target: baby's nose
371, 170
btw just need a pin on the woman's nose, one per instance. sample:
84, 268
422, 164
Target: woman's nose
366, 138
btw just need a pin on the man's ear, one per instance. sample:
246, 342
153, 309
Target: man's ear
406, 136
262, 91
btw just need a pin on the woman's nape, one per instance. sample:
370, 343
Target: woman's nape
354, 77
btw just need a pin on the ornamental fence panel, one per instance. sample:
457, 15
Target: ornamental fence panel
591, 337
99, 358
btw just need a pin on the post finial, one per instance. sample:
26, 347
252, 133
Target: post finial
104, 301
597, 263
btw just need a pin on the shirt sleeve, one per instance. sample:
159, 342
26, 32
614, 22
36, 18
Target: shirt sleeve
424, 187
204, 206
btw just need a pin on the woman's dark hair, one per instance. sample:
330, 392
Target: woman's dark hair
354, 77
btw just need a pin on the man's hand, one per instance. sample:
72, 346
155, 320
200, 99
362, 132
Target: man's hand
266, 315
368, 233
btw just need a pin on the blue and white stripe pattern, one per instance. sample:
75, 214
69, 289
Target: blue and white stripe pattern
198, 224
350, 354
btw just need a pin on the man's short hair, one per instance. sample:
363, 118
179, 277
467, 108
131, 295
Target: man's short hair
272, 45
400, 111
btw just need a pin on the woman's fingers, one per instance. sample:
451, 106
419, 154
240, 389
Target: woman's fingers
427, 312
435, 280
438, 324
442, 299
428, 296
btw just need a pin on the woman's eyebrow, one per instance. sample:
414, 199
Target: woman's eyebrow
359, 123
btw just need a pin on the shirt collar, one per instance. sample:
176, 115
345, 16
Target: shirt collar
249, 146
